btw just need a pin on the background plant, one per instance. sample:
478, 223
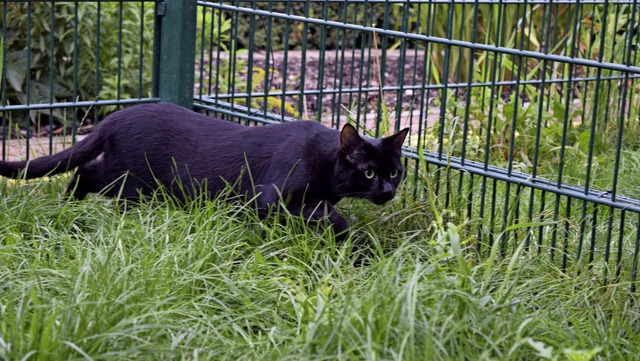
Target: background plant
89, 50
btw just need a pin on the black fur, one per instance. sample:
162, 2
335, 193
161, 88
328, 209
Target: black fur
138, 149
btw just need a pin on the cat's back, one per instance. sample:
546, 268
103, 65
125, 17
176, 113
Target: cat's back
297, 132
172, 127
159, 116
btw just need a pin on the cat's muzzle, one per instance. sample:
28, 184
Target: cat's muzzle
383, 198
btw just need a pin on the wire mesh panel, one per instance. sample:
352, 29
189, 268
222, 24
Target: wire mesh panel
523, 114
66, 64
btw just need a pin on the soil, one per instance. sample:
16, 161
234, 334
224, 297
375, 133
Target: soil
335, 81
38, 146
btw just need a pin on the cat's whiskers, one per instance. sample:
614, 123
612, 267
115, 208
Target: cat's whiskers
351, 194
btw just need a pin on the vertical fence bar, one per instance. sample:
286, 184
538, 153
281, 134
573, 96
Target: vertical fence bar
28, 81
141, 50
250, 58
285, 61
119, 52
74, 94
51, 71
3, 81
177, 51
634, 266
303, 62
233, 61
97, 50
268, 75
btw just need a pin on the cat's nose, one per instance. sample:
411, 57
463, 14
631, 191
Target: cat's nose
388, 191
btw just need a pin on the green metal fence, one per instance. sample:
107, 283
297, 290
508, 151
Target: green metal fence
523, 113
66, 64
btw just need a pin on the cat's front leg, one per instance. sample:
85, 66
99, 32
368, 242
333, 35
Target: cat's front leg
315, 211
321, 210
266, 200
339, 224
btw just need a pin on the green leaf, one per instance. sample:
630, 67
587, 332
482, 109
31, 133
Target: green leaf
581, 355
259, 259
1, 56
583, 141
16, 69
541, 348
456, 249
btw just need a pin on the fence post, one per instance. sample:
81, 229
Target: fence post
176, 60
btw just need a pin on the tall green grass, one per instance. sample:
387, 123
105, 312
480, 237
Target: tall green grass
94, 280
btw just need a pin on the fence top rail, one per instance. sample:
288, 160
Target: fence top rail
423, 2
49, 2
428, 38
604, 198
75, 104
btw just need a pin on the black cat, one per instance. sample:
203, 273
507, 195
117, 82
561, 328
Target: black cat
135, 151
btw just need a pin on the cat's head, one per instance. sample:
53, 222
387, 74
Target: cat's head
369, 168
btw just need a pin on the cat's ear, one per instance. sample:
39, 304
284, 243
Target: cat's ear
349, 138
395, 141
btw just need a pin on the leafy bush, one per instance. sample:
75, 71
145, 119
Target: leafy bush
84, 50
281, 34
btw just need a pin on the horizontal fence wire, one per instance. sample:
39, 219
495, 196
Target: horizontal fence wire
525, 113
413, 2
389, 88
427, 38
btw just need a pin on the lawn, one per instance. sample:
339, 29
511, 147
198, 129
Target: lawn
94, 280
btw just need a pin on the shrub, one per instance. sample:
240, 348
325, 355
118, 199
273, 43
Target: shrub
83, 50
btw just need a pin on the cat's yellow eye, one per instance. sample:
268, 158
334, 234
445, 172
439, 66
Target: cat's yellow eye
369, 173
394, 173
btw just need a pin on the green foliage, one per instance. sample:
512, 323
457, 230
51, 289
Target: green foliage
107, 50
212, 28
1, 58
518, 27
211, 281
510, 131
310, 37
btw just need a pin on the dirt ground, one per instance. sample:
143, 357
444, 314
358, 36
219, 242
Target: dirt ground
16, 149
346, 79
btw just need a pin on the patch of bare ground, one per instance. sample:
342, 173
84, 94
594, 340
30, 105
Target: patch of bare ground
329, 82
17, 149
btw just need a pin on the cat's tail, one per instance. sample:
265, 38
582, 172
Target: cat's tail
82, 152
